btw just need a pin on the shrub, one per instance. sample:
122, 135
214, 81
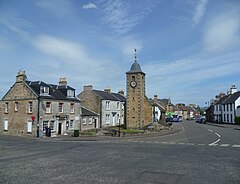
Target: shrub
76, 133
237, 120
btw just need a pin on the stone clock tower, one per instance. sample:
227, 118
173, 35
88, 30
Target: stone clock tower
139, 109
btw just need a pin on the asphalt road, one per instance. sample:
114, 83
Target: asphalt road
197, 154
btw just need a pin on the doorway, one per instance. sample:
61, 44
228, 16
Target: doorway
59, 128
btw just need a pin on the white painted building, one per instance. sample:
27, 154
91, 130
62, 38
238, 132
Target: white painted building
231, 106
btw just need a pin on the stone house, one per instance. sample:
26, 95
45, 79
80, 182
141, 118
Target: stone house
89, 120
158, 110
31, 106
183, 111
110, 106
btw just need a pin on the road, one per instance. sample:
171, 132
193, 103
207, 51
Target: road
200, 153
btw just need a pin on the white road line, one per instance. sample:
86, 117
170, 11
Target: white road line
218, 135
201, 144
164, 142
210, 130
172, 143
156, 142
181, 143
214, 142
224, 145
236, 146
190, 144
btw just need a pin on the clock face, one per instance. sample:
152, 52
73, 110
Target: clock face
133, 84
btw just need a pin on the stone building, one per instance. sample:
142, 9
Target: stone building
110, 106
29, 106
90, 119
139, 108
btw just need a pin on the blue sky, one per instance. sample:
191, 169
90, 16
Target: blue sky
189, 49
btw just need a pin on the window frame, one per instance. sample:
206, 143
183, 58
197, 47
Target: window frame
72, 108
30, 107
50, 108
6, 107
61, 107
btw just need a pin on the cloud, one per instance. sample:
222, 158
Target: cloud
121, 16
223, 31
89, 6
199, 10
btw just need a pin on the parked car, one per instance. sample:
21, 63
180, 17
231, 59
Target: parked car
201, 120
176, 118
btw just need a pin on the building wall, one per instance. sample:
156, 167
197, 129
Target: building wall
89, 122
65, 122
18, 121
228, 113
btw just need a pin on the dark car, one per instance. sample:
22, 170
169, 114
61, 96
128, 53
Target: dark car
201, 120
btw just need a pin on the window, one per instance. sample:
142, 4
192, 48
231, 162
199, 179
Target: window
224, 117
227, 117
118, 105
90, 120
45, 124
6, 107
6, 125
72, 108
231, 116
223, 107
84, 121
70, 93
230, 107
227, 107
16, 106
107, 119
48, 107
30, 107
71, 125
52, 125
44, 90
60, 108
29, 126
107, 105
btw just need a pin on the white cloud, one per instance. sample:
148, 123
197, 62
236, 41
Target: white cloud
223, 31
121, 16
199, 10
89, 6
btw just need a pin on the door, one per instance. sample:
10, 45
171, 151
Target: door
29, 126
59, 128
6, 124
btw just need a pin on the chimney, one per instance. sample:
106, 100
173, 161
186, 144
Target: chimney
233, 89
221, 94
155, 98
107, 89
63, 82
88, 88
121, 92
21, 76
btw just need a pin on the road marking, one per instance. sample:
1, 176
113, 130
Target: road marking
190, 144
214, 142
182, 143
236, 146
218, 135
210, 130
224, 145
172, 143
201, 144
164, 142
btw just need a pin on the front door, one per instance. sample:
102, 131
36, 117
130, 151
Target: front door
59, 128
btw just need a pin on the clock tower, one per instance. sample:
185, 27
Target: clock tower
135, 96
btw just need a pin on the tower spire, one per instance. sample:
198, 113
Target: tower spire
135, 54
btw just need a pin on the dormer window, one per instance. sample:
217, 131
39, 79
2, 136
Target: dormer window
44, 90
70, 93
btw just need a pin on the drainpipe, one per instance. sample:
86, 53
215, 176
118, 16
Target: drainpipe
38, 114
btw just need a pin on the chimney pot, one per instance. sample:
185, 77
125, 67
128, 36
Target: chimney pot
63, 81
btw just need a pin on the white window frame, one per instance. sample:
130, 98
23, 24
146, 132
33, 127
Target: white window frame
6, 107
107, 105
118, 105
52, 125
71, 124
84, 121
72, 108
5, 124
29, 126
44, 90
16, 106
107, 119
48, 109
90, 122
30, 107
70, 93
61, 107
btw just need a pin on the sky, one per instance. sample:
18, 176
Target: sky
189, 49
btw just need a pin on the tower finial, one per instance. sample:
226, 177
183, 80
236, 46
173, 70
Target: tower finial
135, 54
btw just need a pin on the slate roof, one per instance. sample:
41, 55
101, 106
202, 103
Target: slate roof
232, 98
87, 112
120, 97
220, 101
55, 92
105, 95
135, 68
